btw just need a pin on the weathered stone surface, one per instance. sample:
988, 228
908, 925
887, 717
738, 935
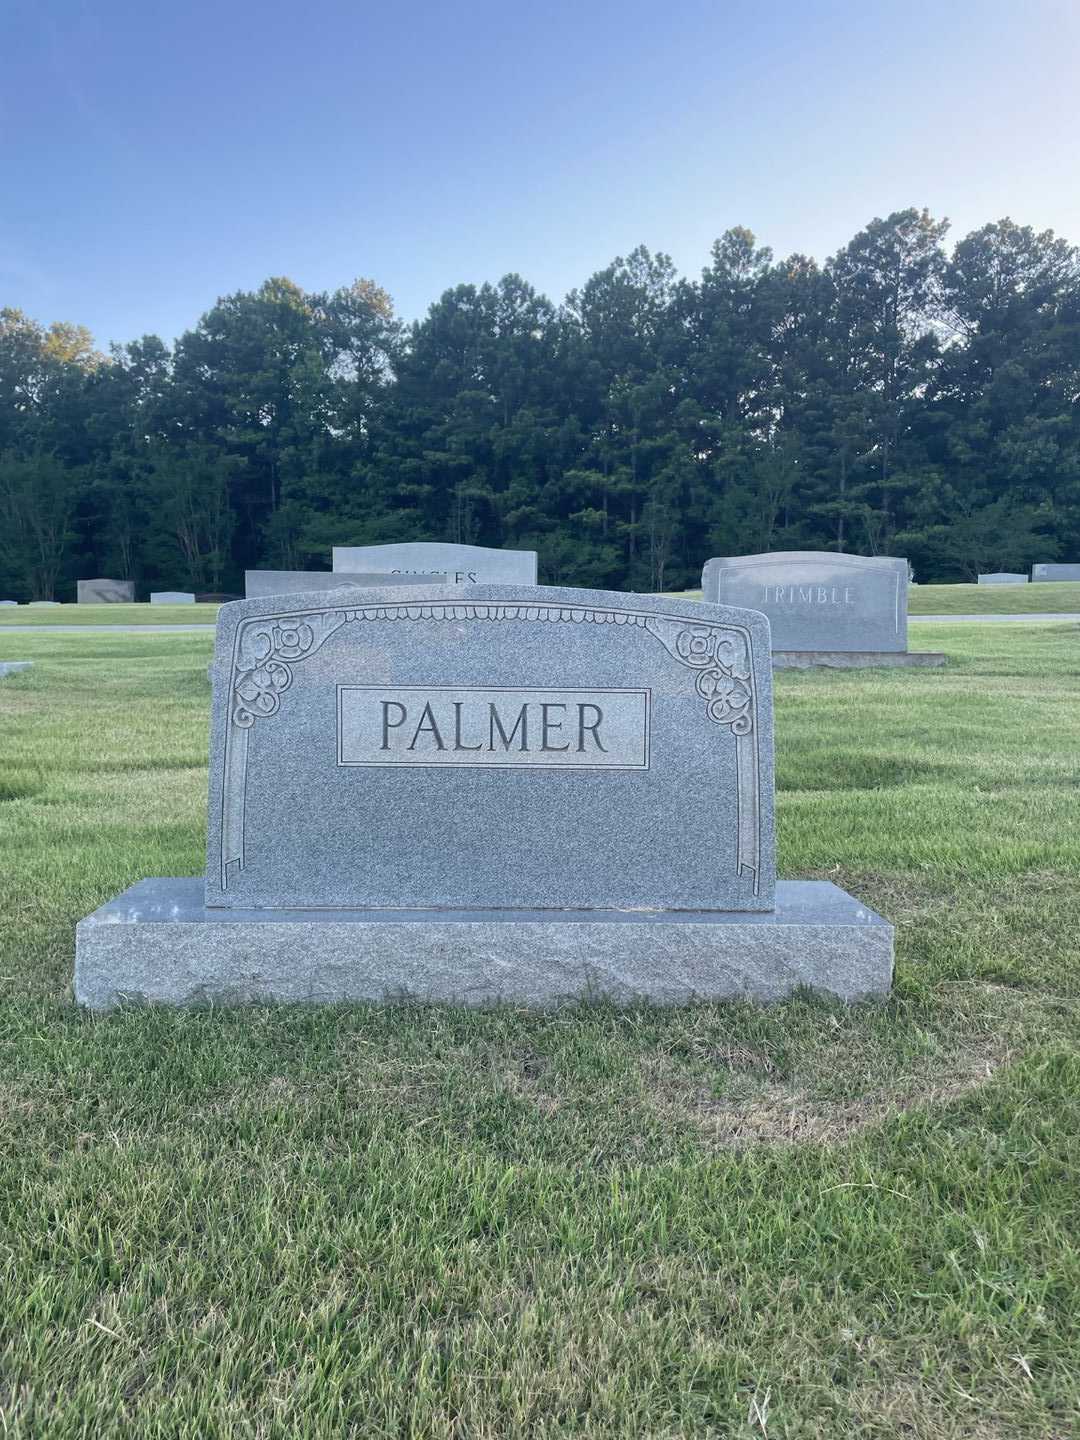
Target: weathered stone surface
171, 597
512, 747
106, 592
817, 599
460, 564
157, 943
857, 659
12, 667
1002, 577
1055, 572
259, 583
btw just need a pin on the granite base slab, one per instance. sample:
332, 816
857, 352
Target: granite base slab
157, 943
857, 659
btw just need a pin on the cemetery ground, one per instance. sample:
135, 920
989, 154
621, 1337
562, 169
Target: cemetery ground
1055, 599
793, 1222
115, 615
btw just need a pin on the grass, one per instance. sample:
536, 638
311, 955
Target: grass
806, 1221
110, 615
1057, 599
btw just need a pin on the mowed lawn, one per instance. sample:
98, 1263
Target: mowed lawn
35, 618
419, 1222
1061, 598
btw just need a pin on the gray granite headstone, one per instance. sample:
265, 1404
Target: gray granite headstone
1055, 572
260, 583
533, 747
511, 793
12, 667
106, 592
9, 602
1002, 577
172, 597
41, 604
817, 600
461, 564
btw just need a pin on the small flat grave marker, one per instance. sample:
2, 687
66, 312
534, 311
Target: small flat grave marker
1047, 572
106, 592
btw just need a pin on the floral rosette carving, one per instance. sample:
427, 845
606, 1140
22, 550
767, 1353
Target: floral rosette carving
265, 677
258, 692
728, 700
291, 640
723, 677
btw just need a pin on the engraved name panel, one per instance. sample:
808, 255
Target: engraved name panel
496, 726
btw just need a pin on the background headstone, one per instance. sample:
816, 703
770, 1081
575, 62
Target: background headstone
817, 600
215, 597
9, 602
12, 667
1055, 572
1003, 577
525, 747
172, 597
259, 583
106, 592
461, 564
40, 604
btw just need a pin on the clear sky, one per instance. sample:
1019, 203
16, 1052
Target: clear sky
155, 154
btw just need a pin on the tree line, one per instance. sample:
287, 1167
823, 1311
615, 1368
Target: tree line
901, 398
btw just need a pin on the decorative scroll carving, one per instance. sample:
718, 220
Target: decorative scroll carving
266, 649
720, 658
720, 655
265, 653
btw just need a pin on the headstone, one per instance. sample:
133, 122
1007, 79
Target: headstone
12, 667
824, 607
472, 703
461, 564
1002, 577
9, 602
41, 604
519, 793
1055, 572
817, 599
259, 583
171, 597
106, 592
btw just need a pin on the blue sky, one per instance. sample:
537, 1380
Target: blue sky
155, 154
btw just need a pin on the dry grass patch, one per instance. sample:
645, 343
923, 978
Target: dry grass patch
786, 1114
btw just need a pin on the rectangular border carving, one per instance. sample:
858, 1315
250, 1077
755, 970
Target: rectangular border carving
538, 690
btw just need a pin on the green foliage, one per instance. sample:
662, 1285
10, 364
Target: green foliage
897, 399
